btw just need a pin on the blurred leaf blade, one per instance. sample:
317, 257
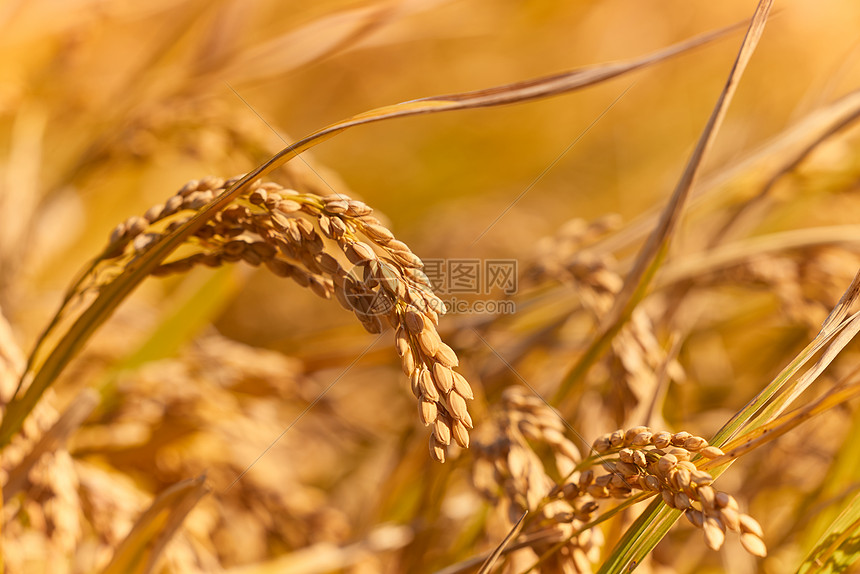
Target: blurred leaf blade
72, 418
762, 168
488, 564
838, 485
197, 309
839, 547
326, 557
141, 549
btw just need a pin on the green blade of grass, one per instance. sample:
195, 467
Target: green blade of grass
833, 327
839, 546
641, 537
41, 374
794, 389
818, 511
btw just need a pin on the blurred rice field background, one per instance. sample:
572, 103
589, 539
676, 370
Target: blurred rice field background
228, 420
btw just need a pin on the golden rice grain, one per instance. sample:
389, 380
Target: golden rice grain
753, 544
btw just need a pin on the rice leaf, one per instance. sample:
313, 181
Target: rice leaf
739, 252
641, 537
313, 42
822, 339
764, 433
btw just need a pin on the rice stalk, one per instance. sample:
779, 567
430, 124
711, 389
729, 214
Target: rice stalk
653, 524
652, 253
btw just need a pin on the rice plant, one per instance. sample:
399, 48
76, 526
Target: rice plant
621, 325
